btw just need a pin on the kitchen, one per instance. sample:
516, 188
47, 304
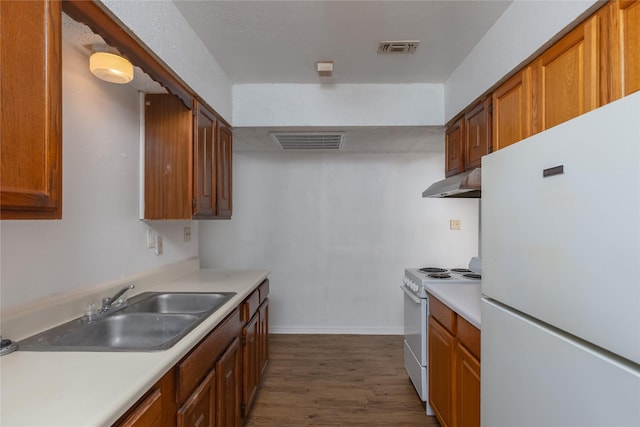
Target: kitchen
269, 225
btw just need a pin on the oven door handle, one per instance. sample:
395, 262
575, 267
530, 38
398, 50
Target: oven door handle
410, 294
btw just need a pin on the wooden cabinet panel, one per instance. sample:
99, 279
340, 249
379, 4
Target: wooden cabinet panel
511, 114
228, 385
566, 77
250, 372
223, 175
454, 148
477, 131
629, 15
199, 409
469, 336
263, 338
467, 388
442, 314
147, 413
30, 110
441, 359
168, 154
204, 156
250, 306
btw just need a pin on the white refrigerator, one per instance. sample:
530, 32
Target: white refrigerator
561, 275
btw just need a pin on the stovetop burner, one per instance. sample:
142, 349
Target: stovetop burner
473, 276
433, 270
439, 275
461, 270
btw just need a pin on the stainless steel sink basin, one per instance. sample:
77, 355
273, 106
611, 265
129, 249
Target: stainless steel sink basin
142, 331
180, 303
152, 321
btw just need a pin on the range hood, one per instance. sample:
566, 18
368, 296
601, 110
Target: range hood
463, 185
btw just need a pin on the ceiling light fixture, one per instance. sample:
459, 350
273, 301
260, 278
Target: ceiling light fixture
325, 68
111, 68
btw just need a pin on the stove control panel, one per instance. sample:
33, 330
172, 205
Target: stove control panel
411, 284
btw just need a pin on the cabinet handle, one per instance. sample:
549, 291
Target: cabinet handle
199, 420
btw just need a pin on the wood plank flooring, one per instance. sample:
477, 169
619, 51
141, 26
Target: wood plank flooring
337, 380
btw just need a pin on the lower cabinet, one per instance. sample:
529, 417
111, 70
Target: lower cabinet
215, 384
454, 367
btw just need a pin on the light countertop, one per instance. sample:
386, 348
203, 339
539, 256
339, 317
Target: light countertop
94, 389
463, 298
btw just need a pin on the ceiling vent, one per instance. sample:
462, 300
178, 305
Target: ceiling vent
309, 140
398, 46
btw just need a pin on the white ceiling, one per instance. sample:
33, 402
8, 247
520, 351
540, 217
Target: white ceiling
280, 41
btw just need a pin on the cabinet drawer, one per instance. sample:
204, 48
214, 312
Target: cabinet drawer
148, 412
196, 364
469, 337
250, 305
264, 290
199, 409
442, 314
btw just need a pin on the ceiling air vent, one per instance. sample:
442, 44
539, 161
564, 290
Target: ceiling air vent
309, 140
398, 46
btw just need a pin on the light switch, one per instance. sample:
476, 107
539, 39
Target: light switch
455, 224
151, 239
187, 234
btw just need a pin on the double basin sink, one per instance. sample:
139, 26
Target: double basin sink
151, 321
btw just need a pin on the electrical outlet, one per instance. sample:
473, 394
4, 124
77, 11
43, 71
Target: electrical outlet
158, 244
455, 224
187, 234
151, 239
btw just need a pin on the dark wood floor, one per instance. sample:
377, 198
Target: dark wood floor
337, 380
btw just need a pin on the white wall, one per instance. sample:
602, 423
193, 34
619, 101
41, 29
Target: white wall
162, 28
337, 231
99, 238
417, 104
523, 28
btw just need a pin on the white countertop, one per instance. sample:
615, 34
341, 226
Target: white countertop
463, 298
94, 389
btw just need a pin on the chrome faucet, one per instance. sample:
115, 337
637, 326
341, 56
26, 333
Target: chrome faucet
107, 302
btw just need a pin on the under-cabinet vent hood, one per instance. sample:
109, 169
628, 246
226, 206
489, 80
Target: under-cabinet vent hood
465, 184
309, 140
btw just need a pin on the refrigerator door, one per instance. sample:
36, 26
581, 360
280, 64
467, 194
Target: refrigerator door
565, 248
533, 376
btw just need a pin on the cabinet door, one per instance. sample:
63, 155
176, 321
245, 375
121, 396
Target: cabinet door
30, 110
228, 384
467, 388
512, 110
477, 129
454, 145
203, 164
441, 365
223, 163
147, 414
250, 371
198, 410
263, 339
168, 158
623, 39
566, 77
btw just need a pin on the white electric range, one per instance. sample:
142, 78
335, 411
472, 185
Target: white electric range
416, 311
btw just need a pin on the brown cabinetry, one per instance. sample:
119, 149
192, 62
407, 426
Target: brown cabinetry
187, 161
147, 413
228, 386
454, 148
199, 410
30, 110
477, 130
511, 113
565, 77
454, 367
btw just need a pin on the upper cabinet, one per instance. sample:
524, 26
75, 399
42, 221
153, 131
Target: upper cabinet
477, 130
468, 138
512, 110
187, 161
565, 77
31, 110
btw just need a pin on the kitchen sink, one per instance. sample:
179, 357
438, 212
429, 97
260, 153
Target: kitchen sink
152, 321
180, 303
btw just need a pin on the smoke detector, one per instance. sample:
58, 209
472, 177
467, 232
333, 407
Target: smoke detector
309, 140
398, 46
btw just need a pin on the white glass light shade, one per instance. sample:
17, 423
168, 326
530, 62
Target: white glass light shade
111, 68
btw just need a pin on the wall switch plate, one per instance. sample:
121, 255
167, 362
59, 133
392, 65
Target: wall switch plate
151, 239
158, 244
187, 234
455, 224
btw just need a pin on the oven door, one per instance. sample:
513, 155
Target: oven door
415, 325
